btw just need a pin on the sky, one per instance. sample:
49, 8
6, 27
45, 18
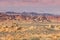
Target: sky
39, 6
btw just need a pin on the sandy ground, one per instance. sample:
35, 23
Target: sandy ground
22, 30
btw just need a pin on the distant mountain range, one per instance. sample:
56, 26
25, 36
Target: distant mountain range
36, 17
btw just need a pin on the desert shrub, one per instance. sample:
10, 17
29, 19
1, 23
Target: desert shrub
19, 28
24, 39
52, 26
35, 38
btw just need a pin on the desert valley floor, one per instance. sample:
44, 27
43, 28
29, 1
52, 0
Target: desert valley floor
17, 27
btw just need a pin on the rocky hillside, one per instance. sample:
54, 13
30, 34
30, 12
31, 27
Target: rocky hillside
25, 16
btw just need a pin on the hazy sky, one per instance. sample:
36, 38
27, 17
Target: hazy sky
47, 6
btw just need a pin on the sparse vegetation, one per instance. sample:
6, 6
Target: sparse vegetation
35, 38
28, 28
24, 39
